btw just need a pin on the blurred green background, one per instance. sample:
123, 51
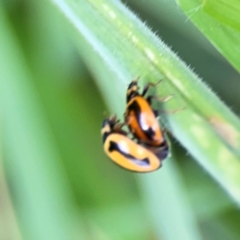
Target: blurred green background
55, 180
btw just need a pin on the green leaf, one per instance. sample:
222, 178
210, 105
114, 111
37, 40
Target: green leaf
41, 191
224, 11
216, 19
9, 228
165, 196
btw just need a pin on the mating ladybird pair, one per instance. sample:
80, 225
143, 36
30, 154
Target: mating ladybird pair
151, 147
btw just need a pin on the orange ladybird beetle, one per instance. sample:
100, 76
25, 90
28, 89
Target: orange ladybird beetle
142, 119
124, 151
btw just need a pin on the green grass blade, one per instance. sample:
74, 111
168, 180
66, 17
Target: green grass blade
224, 11
41, 192
9, 227
223, 36
165, 196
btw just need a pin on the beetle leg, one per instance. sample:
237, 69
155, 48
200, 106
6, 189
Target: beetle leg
162, 99
173, 111
137, 79
120, 125
119, 130
156, 113
167, 131
149, 99
148, 85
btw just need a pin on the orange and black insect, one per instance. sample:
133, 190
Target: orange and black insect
124, 151
142, 119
